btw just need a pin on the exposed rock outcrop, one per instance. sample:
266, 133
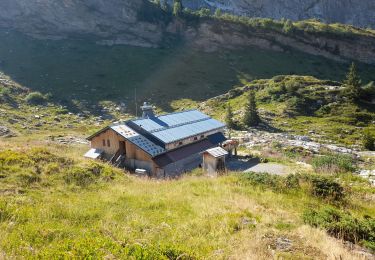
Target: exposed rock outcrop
212, 35
359, 13
141, 23
113, 21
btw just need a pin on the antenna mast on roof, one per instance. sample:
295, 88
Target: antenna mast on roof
135, 102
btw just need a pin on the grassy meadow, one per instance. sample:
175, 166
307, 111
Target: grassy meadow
55, 205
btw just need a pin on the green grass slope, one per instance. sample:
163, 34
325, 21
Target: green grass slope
54, 206
84, 71
301, 105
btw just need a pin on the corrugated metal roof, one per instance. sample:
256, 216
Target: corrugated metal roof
170, 120
139, 140
217, 138
177, 126
217, 152
181, 132
185, 151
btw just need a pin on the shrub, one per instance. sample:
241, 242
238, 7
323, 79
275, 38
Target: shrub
4, 92
326, 188
89, 174
36, 98
343, 225
368, 140
275, 182
333, 163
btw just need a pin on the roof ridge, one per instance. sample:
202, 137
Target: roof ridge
178, 125
168, 114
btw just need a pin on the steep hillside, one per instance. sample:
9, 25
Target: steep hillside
141, 23
97, 18
359, 13
299, 104
82, 72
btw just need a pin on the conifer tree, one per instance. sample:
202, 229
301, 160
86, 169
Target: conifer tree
251, 117
352, 84
229, 118
217, 12
177, 8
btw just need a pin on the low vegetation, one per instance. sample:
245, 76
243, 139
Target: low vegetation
55, 206
343, 225
314, 26
305, 106
333, 163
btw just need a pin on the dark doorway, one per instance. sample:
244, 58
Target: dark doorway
122, 147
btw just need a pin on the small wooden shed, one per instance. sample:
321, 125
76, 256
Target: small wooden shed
214, 161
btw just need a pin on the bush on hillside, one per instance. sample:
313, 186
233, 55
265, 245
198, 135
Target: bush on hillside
327, 189
36, 98
368, 140
89, 174
4, 92
333, 163
343, 225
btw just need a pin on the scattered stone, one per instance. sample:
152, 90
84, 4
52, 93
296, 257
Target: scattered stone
6, 132
256, 137
283, 244
12, 121
368, 174
68, 140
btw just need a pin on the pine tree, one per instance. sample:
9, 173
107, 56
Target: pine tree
177, 8
251, 117
217, 12
229, 118
288, 26
352, 84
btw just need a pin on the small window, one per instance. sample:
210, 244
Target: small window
103, 142
195, 138
108, 143
202, 136
180, 143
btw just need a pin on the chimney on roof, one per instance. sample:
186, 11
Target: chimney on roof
147, 111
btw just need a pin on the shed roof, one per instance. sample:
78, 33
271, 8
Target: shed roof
217, 152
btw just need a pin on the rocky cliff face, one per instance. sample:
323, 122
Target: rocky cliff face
113, 21
140, 23
359, 13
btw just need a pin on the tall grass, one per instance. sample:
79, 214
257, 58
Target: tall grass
90, 210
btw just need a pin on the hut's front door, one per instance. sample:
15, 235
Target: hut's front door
122, 147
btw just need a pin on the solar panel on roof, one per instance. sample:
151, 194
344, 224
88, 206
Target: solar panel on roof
181, 132
170, 120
